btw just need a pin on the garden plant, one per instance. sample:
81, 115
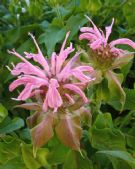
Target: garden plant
67, 84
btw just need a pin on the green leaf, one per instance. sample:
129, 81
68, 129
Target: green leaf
128, 10
9, 149
123, 155
58, 154
117, 94
118, 163
3, 112
103, 121
131, 140
14, 163
94, 5
74, 23
51, 37
130, 99
69, 131
42, 132
13, 125
104, 136
32, 162
91, 5
76, 161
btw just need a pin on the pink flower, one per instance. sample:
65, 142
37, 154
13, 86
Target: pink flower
98, 40
56, 80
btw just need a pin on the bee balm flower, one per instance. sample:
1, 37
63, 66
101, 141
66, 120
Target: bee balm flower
56, 80
98, 41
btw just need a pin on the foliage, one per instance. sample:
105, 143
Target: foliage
108, 139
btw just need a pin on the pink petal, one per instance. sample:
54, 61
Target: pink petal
85, 68
39, 57
123, 41
96, 44
87, 29
53, 98
65, 72
97, 32
16, 83
53, 63
117, 51
80, 76
89, 36
71, 100
33, 68
28, 79
64, 43
36, 92
24, 68
77, 90
109, 30
25, 94
62, 57
63, 54
78, 73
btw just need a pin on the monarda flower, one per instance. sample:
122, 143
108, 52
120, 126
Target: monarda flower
60, 84
104, 52
105, 57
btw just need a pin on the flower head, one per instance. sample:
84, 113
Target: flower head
56, 80
98, 41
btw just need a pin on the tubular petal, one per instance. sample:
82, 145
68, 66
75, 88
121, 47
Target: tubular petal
77, 90
35, 70
109, 30
123, 41
62, 74
25, 94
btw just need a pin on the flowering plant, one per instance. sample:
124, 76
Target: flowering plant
73, 108
58, 87
105, 57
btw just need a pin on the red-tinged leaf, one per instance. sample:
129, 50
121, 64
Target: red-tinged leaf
29, 106
43, 132
33, 120
69, 131
116, 92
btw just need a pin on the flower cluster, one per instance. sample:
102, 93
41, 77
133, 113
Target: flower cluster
57, 81
58, 84
98, 41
